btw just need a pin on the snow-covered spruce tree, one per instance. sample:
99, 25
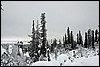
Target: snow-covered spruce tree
92, 38
96, 33
68, 33
63, 42
77, 38
60, 44
52, 48
47, 45
48, 51
98, 36
43, 35
48, 54
72, 45
85, 43
80, 38
54, 43
32, 42
89, 38
37, 39
55, 51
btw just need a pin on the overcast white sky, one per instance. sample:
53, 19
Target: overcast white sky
16, 19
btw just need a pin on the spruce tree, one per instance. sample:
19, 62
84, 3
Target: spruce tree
65, 38
47, 45
48, 52
77, 38
89, 38
43, 35
92, 38
80, 38
72, 46
85, 43
55, 43
37, 40
96, 32
98, 35
68, 33
32, 42
60, 43
52, 48
63, 42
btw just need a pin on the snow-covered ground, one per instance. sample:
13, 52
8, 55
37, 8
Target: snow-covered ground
91, 61
45, 63
90, 58
63, 60
3, 50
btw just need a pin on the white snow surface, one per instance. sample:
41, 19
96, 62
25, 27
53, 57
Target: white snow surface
83, 61
20, 50
45, 63
26, 54
91, 61
3, 50
10, 49
61, 58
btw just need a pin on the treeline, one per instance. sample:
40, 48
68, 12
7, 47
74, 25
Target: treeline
91, 37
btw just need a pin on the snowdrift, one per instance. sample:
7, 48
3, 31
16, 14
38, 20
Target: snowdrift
3, 50
91, 61
45, 63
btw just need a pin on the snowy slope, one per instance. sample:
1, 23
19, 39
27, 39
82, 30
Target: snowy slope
91, 61
45, 63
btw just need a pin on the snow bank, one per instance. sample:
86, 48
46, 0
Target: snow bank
3, 50
62, 58
69, 63
91, 61
44, 63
